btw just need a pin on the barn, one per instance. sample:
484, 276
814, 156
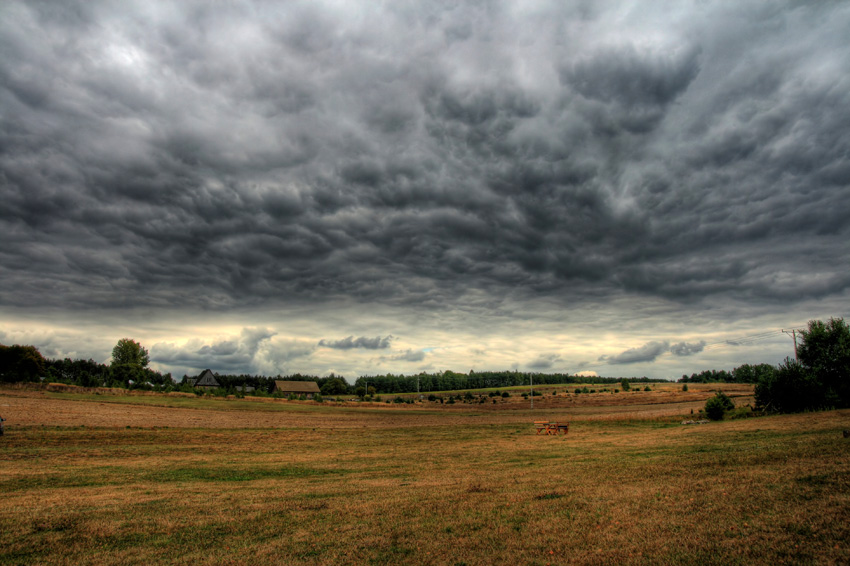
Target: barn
308, 388
205, 381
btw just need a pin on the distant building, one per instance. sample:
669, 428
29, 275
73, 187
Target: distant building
308, 388
205, 381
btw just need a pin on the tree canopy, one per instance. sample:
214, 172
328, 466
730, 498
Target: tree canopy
20, 363
128, 352
819, 379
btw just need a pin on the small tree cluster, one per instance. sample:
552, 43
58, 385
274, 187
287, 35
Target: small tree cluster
717, 406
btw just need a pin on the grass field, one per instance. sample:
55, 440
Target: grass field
215, 481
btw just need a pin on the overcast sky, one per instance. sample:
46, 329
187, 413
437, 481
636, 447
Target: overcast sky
633, 188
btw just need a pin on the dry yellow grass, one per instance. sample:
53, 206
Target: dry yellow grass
402, 486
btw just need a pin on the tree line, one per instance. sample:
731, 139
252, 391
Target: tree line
742, 374
818, 378
453, 381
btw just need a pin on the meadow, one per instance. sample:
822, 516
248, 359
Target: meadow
109, 478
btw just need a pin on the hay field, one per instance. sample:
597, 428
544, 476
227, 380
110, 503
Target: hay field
156, 479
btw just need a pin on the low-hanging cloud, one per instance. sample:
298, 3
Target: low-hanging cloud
350, 342
687, 349
408, 356
224, 355
646, 353
544, 361
650, 351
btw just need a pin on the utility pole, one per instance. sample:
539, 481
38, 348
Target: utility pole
793, 334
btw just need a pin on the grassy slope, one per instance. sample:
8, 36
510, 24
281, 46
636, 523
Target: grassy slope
756, 491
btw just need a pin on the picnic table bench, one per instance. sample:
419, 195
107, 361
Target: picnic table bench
551, 428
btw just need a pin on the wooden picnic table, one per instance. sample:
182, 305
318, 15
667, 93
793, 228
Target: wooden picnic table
551, 428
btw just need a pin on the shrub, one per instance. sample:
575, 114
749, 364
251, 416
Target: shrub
685, 387
716, 407
505, 395
625, 384
432, 397
792, 388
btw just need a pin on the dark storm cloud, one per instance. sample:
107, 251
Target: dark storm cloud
350, 342
211, 157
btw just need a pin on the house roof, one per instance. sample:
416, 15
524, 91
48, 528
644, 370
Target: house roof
206, 379
296, 386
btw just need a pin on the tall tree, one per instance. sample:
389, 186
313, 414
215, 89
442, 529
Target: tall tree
130, 353
20, 363
825, 350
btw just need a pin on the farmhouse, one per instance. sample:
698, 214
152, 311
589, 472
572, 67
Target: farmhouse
308, 388
205, 381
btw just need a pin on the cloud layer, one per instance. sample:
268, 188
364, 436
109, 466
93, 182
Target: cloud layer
376, 343
430, 158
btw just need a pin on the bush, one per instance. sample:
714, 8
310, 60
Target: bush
505, 395
685, 387
792, 388
716, 407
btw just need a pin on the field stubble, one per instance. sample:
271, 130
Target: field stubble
423, 487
